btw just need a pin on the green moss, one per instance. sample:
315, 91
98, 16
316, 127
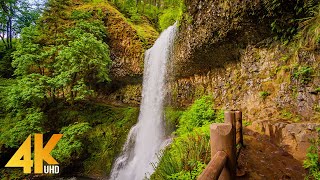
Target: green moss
12, 174
175, 93
303, 74
294, 90
317, 108
172, 116
285, 58
288, 115
146, 33
199, 91
264, 94
246, 123
106, 140
131, 93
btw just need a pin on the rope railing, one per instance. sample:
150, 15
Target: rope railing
226, 141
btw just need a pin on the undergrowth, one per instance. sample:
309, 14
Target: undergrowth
311, 163
189, 153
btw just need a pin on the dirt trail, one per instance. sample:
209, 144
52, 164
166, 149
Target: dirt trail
261, 159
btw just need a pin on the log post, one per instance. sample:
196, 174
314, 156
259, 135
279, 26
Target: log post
222, 138
215, 167
238, 116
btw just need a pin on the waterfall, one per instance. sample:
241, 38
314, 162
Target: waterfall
146, 138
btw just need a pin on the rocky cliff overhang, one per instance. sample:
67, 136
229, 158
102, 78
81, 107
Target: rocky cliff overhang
215, 32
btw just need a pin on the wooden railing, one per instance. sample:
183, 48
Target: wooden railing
226, 141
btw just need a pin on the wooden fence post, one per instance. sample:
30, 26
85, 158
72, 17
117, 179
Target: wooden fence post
229, 118
222, 139
238, 115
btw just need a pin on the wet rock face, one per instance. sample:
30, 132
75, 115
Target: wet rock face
293, 137
214, 32
228, 53
260, 84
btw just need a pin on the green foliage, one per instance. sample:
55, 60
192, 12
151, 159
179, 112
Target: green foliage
106, 139
311, 163
172, 117
219, 116
247, 123
287, 115
161, 13
264, 94
169, 17
29, 91
26, 122
80, 15
186, 157
189, 153
303, 74
12, 174
6, 70
197, 169
71, 145
77, 70
285, 16
73, 66
14, 16
200, 113
29, 52
308, 37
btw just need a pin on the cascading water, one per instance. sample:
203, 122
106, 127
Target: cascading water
146, 138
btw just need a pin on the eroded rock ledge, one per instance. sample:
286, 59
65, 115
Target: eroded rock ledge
223, 49
295, 138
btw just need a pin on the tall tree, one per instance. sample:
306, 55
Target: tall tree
15, 15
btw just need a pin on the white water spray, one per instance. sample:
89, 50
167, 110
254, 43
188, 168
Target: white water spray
146, 138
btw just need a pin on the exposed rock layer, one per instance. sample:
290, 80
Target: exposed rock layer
229, 53
295, 138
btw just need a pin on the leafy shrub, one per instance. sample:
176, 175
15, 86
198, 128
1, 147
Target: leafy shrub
309, 35
71, 145
193, 174
172, 117
264, 94
162, 14
6, 69
200, 113
77, 15
189, 153
169, 17
28, 92
185, 157
27, 122
312, 160
285, 16
304, 74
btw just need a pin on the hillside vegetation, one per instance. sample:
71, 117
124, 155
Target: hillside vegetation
56, 67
